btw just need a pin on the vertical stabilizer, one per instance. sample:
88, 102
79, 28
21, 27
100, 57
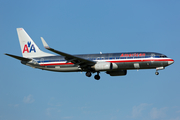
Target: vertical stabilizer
28, 47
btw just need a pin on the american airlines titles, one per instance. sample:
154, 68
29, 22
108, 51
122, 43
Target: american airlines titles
133, 55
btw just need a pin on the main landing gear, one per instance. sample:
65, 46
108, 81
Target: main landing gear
88, 74
97, 77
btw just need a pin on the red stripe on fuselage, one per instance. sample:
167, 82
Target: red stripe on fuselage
140, 60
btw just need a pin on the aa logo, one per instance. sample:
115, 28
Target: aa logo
29, 48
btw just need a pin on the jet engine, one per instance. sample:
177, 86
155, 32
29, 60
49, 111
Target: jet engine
104, 66
117, 73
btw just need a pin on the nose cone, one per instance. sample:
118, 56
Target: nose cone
170, 62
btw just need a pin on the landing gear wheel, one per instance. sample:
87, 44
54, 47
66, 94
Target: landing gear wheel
157, 73
88, 74
97, 77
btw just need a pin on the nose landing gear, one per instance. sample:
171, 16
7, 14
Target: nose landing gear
157, 73
158, 68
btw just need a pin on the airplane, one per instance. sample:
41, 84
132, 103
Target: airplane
114, 64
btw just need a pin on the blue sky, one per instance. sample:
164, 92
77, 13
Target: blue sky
90, 26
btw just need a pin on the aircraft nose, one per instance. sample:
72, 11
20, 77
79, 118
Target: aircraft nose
170, 62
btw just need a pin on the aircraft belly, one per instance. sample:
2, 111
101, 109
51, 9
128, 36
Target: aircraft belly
142, 65
63, 69
57, 68
125, 65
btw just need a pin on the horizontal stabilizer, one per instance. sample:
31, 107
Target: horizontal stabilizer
18, 57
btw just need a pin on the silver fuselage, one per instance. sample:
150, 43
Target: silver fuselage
124, 61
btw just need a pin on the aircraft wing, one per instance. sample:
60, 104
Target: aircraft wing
18, 57
70, 58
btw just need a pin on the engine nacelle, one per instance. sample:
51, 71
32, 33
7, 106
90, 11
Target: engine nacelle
117, 73
104, 66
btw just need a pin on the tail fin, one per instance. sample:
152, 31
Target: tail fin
28, 47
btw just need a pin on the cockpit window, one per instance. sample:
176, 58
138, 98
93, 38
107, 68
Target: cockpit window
163, 56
